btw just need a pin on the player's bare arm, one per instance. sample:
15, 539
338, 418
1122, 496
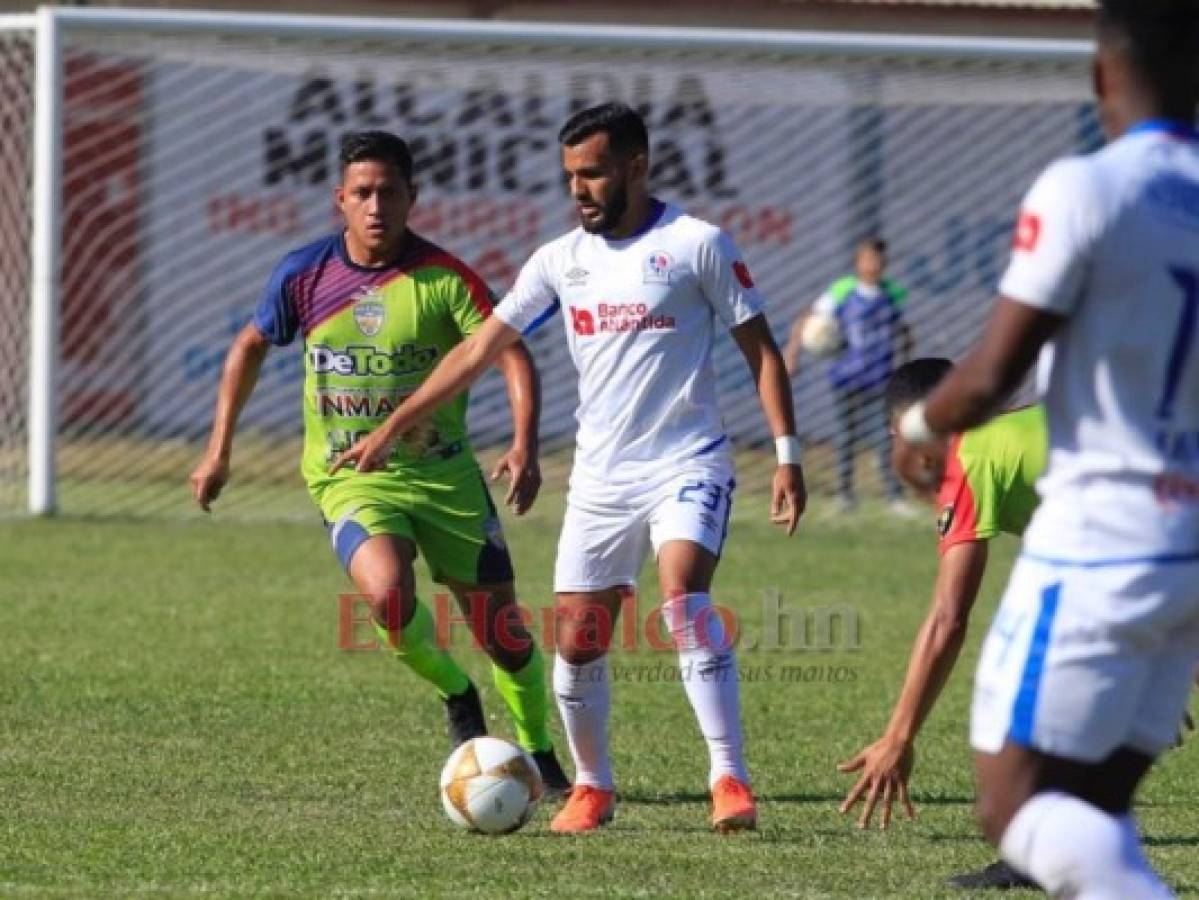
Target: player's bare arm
457, 370
982, 382
886, 765
520, 461
788, 494
238, 378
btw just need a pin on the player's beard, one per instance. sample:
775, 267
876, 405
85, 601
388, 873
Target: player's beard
613, 211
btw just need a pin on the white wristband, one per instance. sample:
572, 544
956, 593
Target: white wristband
786, 448
913, 426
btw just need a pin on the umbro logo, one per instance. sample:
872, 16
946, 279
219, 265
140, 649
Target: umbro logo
577, 276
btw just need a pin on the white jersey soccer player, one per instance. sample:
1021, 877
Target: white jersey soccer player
1085, 673
653, 463
1110, 242
642, 288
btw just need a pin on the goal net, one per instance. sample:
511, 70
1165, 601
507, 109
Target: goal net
195, 152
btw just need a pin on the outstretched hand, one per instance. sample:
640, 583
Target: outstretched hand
886, 766
524, 479
788, 497
369, 454
208, 479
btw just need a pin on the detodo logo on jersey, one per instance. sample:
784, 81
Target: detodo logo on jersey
370, 360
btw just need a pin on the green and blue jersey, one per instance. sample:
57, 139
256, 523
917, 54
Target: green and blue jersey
371, 337
869, 318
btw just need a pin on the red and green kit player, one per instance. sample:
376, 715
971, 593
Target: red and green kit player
377, 306
983, 484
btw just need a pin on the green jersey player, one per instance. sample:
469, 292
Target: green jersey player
377, 306
983, 483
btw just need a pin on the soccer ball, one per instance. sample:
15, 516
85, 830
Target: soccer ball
491, 786
821, 335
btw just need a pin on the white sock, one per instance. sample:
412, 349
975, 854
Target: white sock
584, 699
1074, 849
709, 670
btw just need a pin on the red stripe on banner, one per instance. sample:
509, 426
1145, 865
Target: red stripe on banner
102, 266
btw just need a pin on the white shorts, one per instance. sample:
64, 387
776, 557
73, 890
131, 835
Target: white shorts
1083, 659
609, 528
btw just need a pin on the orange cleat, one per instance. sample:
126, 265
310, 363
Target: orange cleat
587, 809
733, 806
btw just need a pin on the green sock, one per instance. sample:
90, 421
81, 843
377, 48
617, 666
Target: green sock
524, 695
422, 655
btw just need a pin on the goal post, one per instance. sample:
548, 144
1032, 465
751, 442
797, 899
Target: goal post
159, 163
44, 261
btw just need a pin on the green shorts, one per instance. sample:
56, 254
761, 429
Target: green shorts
450, 518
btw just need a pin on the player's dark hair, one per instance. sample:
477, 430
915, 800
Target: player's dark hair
627, 134
1161, 38
913, 381
877, 244
376, 146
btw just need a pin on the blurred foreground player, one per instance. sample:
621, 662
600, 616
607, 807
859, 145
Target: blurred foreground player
1085, 672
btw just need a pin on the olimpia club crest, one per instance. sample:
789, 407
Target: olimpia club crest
658, 268
369, 312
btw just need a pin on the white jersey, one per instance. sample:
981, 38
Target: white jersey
1110, 241
640, 317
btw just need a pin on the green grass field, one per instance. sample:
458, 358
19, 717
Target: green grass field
176, 718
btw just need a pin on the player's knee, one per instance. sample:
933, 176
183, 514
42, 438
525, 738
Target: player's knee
583, 635
577, 656
579, 648
581, 639
497, 624
508, 642
392, 607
